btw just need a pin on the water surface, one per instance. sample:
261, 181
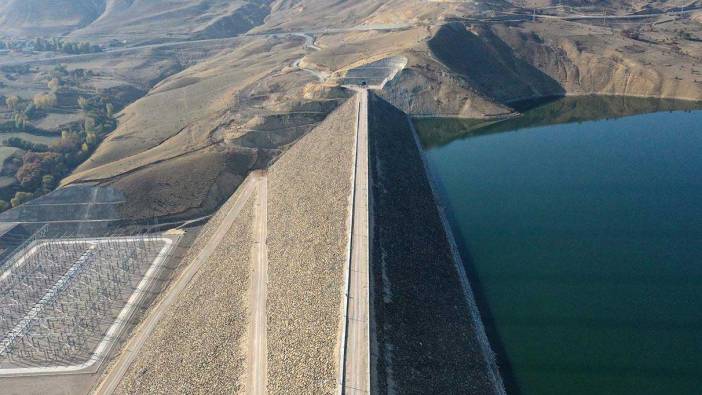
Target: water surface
581, 226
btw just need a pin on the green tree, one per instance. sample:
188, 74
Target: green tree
69, 142
109, 108
54, 84
12, 102
21, 120
4, 205
20, 198
91, 138
48, 182
83, 103
89, 125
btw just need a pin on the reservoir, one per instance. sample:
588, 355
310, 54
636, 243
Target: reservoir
580, 225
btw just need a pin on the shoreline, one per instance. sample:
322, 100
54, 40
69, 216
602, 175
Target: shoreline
487, 352
427, 335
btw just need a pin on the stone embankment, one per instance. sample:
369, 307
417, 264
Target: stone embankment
426, 338
308, 210
196, 347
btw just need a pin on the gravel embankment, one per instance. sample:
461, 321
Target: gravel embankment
308, 207
197, 347
426, 339
213, 223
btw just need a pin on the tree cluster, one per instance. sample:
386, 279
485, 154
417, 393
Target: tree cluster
41, 165
25, 145
42, 101
68, 47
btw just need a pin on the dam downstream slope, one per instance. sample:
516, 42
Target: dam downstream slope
309, 188
425, 339
196, 346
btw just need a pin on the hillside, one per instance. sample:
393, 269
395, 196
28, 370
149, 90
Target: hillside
40, 17
145, 20
133, 21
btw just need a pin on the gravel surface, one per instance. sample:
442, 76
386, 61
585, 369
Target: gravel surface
197, 347
426, 340
309, 190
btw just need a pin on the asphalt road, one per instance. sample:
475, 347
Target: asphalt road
258, 356
356, 375
142, 333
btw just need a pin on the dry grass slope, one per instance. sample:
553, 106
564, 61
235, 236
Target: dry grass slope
307, 221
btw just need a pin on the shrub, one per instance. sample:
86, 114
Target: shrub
25, 145
45, 100
37, 164
54, 84
20, 198
83, 103
48, 182
12, 102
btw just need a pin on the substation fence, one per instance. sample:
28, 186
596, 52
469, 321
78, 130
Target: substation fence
62, 297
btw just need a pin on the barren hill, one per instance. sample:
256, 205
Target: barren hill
246, 104
133, 21
145, 20
40, 17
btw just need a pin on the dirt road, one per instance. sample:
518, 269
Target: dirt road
258, 357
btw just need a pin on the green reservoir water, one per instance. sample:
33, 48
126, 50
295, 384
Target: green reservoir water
581, 227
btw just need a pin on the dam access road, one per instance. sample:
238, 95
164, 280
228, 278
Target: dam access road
356, 348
